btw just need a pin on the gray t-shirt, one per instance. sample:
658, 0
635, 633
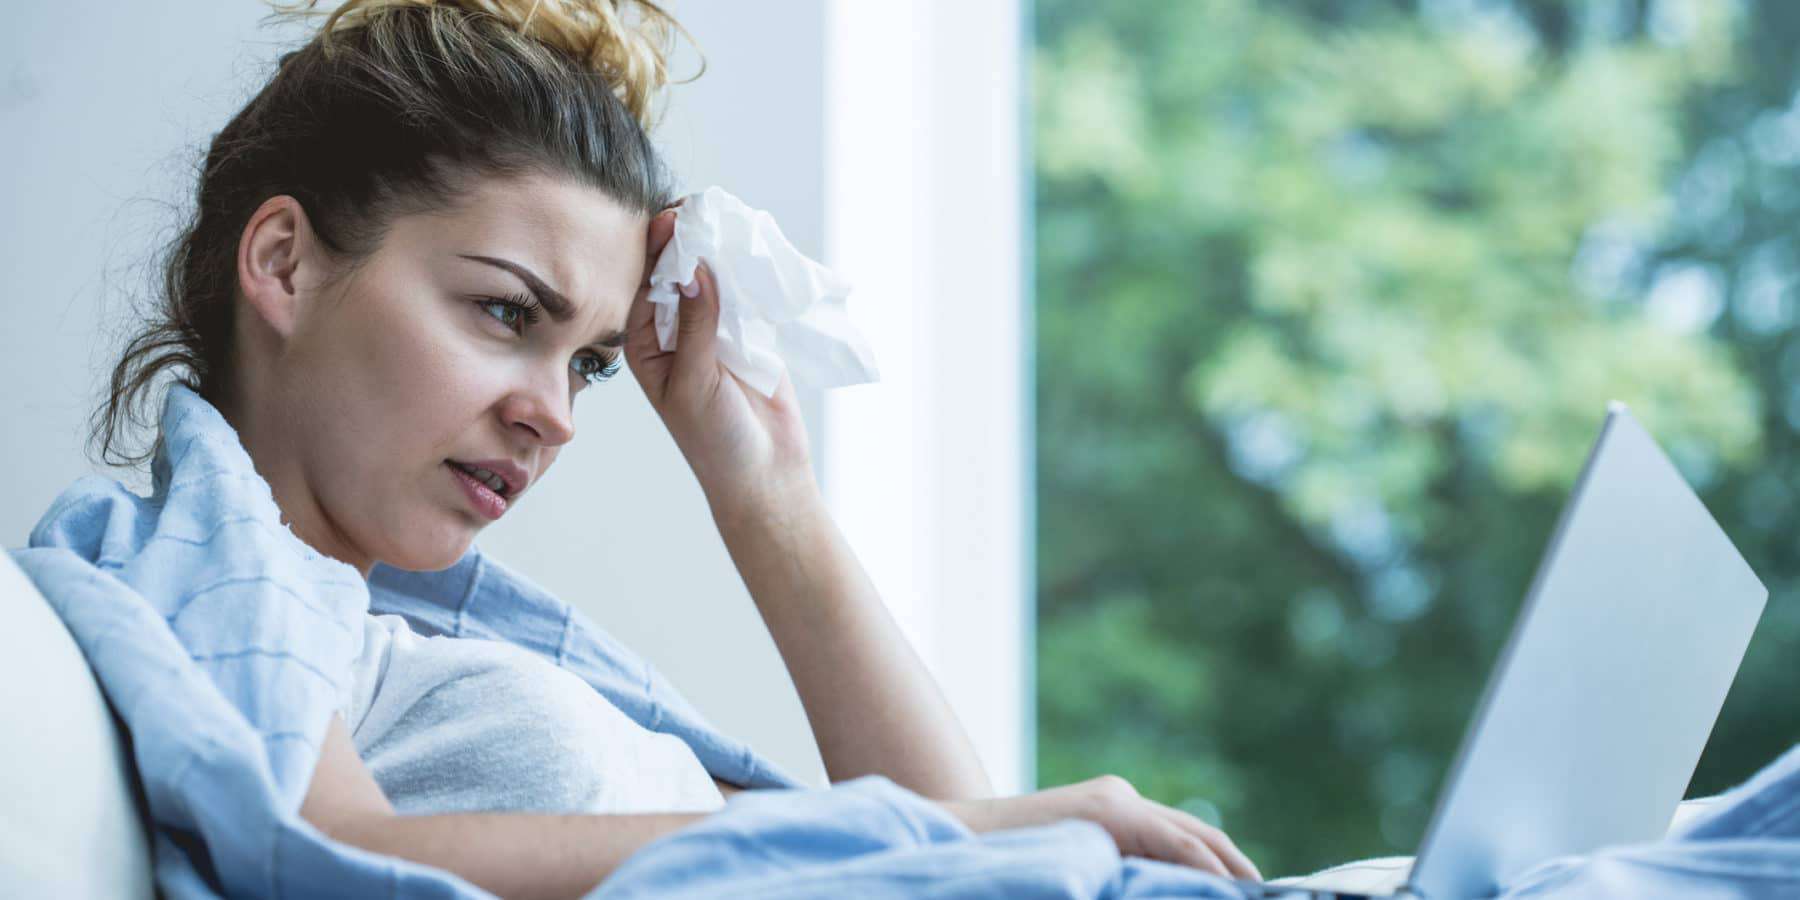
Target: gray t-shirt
466, 725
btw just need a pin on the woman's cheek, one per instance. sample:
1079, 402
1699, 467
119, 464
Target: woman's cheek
416, 379
445, 390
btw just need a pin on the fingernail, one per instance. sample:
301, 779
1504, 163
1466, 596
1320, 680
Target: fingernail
691, 289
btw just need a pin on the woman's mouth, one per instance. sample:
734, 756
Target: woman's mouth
489, 504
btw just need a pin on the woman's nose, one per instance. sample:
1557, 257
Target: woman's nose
547, 412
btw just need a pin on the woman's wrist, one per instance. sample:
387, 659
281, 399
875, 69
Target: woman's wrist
985, 814
972, 813
762, 501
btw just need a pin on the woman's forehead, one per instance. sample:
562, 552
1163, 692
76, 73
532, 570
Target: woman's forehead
554, 212
577, 239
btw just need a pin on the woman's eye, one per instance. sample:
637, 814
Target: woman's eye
508, 315
518, 312
515, 312
593, 368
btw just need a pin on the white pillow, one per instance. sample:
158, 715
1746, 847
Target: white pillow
71, 825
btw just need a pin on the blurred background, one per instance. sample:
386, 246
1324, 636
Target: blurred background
1330, 297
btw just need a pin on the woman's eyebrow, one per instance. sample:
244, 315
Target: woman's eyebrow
553, 302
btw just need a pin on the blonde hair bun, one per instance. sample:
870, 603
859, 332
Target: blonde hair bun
633, 56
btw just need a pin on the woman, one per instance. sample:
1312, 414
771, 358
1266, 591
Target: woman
411, 250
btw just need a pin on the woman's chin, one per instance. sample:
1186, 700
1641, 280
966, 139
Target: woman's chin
432, 557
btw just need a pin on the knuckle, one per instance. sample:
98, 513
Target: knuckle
1115, 785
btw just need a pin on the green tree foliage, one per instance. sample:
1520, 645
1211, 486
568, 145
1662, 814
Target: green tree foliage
1331, 297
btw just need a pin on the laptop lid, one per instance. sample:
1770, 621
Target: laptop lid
1600, 702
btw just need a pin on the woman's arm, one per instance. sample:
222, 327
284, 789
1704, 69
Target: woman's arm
516, 855
539, 855
872, 705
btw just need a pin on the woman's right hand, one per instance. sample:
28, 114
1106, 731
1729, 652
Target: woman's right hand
1138, 826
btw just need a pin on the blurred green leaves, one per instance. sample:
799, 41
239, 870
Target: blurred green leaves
1332, 297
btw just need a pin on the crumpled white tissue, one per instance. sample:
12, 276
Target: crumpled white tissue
778, 310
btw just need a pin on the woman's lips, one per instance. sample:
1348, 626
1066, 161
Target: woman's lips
482, 497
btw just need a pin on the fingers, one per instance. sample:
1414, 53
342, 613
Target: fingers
1216, 840
1169, 834
1171, 843
636, 320
662, 227
641, 314
697, 327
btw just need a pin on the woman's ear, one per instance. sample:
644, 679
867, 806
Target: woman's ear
270, 252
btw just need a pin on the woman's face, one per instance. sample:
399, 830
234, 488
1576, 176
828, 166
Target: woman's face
364, 395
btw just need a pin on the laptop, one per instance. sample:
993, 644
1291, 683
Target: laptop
1602, 698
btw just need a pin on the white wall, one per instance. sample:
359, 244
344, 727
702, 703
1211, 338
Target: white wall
95, 98
883, 138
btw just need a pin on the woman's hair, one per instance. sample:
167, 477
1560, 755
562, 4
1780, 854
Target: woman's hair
395, 107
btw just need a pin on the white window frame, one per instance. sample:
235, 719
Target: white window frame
929, 470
